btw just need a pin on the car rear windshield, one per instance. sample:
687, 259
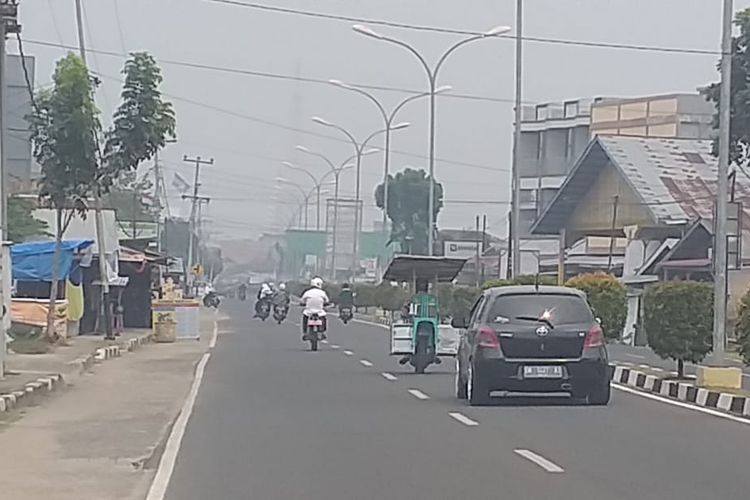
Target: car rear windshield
557, 309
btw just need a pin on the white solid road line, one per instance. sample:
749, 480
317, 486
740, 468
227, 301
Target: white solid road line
335, 346
365, 363
540, 461
166, 465
214, 335
464, 419
389, 376
687, 406
349, 353
418, 394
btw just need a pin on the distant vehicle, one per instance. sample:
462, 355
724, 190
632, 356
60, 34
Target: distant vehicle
280, 312
315, 330
530, 339
264, 310
345, 313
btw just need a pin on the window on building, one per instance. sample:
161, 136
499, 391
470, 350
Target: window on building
527, 196
571, 109
542, 112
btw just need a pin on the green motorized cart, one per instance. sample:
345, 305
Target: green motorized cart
417, 334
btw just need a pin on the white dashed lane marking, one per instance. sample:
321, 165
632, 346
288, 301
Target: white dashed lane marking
389, 376
335, 346
460, 417
349, 353
540, 461
366, 363
418, 394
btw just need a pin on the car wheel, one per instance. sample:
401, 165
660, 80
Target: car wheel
600, 395
477, 392
462, 390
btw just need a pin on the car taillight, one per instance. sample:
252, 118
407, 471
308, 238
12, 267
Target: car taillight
486, 337
594, 337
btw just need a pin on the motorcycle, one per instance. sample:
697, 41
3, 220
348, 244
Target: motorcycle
264, 310
211, 299
315, 330
280, 312
242, 294
346, 314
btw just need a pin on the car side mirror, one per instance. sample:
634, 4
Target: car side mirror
460, 323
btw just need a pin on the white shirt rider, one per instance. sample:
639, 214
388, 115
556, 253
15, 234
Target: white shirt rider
314, 301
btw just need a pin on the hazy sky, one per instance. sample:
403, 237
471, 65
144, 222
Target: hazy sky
246, 134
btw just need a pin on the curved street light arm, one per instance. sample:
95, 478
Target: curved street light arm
300, 169
369, 96
403, 103
453, 48
425, 64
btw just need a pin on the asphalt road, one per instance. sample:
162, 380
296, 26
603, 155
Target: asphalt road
274, 421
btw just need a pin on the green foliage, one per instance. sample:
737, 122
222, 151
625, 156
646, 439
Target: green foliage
127, 198
739, 144
608, 299
408, 193
678, 318
742, 327
64, 128
142, 123
365, 296
22, 225
391, 298
462, 299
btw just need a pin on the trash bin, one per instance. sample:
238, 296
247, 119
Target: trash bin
165, 327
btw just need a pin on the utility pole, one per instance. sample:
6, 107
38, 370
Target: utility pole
157, 199
198, 161
98, 219
476, 265
720, 238
515, 223
8, 25
612, 233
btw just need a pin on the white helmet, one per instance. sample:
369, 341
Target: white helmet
282, 286
316, 282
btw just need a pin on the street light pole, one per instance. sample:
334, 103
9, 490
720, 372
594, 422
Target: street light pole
388, 120
432, 74
359, 148
515, 220
722, 194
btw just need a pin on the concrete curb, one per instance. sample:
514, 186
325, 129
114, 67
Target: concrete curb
681, 391
32, 392
36, 390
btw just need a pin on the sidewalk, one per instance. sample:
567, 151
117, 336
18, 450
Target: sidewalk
104, 436
63, 365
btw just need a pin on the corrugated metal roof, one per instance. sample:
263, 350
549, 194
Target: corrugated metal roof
676, 178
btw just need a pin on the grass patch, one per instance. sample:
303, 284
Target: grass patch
31, 346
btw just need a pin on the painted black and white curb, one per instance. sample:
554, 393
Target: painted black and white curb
33, 391
681, 391
30, 393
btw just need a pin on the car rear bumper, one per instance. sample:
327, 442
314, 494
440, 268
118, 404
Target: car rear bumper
579, 376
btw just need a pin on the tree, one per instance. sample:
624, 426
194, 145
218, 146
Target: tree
742, 327
408, 194
64, 129
130, 198
739, 144
678, 317
22, 225
608, 299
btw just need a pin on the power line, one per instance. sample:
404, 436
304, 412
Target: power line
54, 21
119, 25
452, 31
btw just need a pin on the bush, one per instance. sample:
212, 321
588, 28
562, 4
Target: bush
391, 298
608, 299
462, 299
742, 327
678, 318
365, 296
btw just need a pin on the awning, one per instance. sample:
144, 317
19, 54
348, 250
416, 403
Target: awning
408, 267
33, 261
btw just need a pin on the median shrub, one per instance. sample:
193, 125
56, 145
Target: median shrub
608, 300
742, 327
678, 318
525, 279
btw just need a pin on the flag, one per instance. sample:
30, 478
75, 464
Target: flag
180, 184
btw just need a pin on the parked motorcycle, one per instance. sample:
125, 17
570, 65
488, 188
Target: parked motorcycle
280, 312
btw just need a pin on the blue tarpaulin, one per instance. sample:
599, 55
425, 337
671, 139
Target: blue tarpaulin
33, 261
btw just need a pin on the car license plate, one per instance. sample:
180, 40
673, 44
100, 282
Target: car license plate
537, 371
314, 323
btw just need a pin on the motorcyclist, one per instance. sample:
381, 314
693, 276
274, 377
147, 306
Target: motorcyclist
264, 296
242, 291
314, 301
281, 297
346, 297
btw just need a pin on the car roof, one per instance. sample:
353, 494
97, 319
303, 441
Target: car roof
534, 290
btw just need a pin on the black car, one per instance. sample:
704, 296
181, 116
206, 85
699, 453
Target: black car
528, 339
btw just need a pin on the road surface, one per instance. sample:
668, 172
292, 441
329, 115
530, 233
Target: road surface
273, 421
